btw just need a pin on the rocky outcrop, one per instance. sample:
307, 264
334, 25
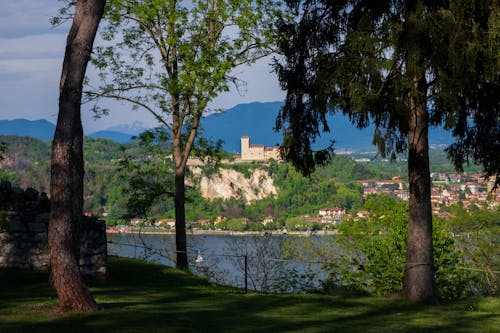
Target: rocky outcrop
228, 183
24, 219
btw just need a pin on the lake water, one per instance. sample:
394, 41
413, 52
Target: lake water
221, 258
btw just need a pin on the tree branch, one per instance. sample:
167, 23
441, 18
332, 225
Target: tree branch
158, 117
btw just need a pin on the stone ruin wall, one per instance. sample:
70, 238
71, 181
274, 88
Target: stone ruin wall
24, 218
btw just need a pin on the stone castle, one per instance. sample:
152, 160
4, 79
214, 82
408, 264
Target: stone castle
257, 152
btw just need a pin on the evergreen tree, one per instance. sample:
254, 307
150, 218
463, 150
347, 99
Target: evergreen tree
403, 66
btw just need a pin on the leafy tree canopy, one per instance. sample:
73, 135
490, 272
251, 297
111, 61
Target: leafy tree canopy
356, 56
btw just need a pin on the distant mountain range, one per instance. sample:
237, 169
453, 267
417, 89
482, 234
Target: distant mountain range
256, 120
119, 137
44, 130
40, 129
135, 128
120, 133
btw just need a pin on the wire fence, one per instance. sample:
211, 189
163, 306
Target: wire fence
244, 261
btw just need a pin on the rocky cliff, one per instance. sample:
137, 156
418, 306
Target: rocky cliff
227, 183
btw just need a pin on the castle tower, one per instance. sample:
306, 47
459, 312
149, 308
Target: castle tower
245, 146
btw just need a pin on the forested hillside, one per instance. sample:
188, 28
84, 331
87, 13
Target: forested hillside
26, 162
109, 183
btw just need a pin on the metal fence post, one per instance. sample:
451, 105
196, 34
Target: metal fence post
246, 273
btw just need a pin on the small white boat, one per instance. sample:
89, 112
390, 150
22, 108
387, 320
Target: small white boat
199, 258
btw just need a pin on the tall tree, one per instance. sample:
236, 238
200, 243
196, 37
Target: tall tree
404, 66
172, 60
67, 170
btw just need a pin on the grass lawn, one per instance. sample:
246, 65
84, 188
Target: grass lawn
145, 297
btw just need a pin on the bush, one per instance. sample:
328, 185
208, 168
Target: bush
374, 254
368, 256
234, 224
296, 224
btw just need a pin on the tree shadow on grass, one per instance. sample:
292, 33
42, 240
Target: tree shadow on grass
141, 297
20, 286
256, 313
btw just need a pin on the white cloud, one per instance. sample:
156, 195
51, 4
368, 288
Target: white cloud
31, 55
27, 17
32, 47
30, 66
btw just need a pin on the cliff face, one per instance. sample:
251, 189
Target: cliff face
228, 183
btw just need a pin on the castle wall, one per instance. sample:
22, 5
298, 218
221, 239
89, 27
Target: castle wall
24, 219
257, 152
254, 153
272, 153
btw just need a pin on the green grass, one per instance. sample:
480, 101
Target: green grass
145, 297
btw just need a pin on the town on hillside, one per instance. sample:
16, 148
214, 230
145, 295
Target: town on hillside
447, 189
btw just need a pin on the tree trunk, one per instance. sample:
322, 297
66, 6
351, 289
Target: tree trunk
418, 281
180, 189
180, 219
67, 168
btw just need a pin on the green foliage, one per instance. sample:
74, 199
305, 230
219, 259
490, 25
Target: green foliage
3, 150
401, 66
234, 224
297, 195
296, 224
363, 59
373, 250
28, 162
327, 186
100, 149
25, 148
7, 175
4, 205
148, 180
172, 60
477, 234
372, 254
246, 168
330, 185
344, 168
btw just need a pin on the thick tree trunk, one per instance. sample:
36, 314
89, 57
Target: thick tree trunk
180, 219
67, 169
419, 282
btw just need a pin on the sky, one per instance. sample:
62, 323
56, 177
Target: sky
31, 55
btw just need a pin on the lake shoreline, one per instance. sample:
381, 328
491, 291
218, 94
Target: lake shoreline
112, 230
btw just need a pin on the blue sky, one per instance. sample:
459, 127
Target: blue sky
31, 54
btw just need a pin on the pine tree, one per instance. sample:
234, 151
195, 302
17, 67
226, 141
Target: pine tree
403, 66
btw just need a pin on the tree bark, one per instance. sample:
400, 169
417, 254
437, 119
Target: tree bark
418, 281
180, 219
419, 284
67, 169
181, 155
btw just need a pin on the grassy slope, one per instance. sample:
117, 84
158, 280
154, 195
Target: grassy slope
144, 297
